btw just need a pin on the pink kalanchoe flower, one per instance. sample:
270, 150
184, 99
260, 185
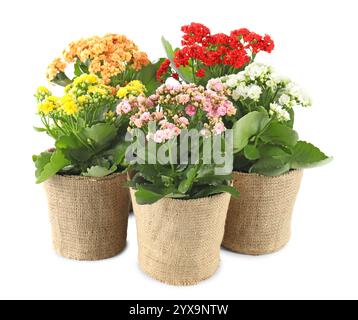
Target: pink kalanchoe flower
222, 111
124, 107
141, 99
199, 98
149, 103
159, 136
219, 128
218, 86
183, 121
190, 111
183, 98
145, 117
137, 122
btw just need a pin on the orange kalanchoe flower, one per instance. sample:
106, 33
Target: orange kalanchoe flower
58, 65
107, 56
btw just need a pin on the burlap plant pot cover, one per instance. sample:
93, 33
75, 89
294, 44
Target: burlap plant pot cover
259, 222
179, 241
89, 216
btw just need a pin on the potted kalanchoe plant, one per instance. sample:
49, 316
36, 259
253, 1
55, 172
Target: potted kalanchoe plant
83, 174
269, 157
180, 205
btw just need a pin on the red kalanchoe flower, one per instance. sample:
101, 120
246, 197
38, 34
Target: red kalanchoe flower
175, 76
195, 33
200, 73
163, 70
237, 59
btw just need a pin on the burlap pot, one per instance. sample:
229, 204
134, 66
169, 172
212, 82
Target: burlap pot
89, 216
179, 241
259, 222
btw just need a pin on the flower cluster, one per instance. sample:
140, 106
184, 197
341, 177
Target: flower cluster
134, 88
85, 92
259, 86
55, 67
106, 56
165, 72
178, 106
234, 50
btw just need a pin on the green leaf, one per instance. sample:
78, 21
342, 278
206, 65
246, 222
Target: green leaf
186, 185
271, 166
61, 79
280, 134
80, 68
99, 172
247, 127
306, 155
41, 161
214, 190
145, 196
118, 152
101, 134
214, 179
73, 148
251, 152
40, 129
184, 73
148, 76
49, 164
273, 151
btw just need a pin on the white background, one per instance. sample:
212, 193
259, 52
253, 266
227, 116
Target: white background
316, 45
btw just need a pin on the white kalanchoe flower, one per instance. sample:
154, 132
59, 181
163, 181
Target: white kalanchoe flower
241, 77
284, 100
254, 92
294, 90
232, 82
240, 92
278, 79
271, 84
306, 100
279, 112
256, 71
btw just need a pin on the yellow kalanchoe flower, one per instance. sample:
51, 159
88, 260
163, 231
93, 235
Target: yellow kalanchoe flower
134, 88
122, 93
98, 90
87, 79
42, 93
82, 99
69, 105
46, 107
49, 105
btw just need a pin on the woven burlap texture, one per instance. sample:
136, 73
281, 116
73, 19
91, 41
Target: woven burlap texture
179, 241
259, 222
89, 216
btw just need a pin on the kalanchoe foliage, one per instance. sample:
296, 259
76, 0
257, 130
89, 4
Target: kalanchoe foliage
204, 55
264, 139
154, 182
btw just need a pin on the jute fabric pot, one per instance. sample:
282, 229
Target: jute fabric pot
89, 216
179, 241
259, 222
